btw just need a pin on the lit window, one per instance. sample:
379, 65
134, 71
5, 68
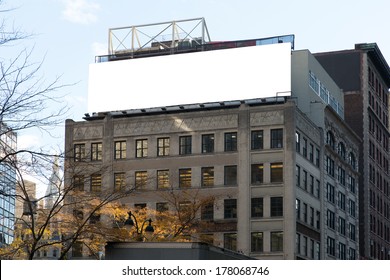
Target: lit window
207, 176
277, 172
162, 179
96, 183
141, 148
163, 147
119, 181
185, 178
96, 151
120, 150
141, 178
257, 173
257, 140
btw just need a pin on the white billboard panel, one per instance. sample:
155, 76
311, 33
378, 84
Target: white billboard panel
200, 77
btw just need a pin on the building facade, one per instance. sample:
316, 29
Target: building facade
282, 170
7, 184
364, 76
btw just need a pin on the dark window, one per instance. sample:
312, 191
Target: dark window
79, 152
230, 241
341, 150
162, 206
208, 143
120, 150
207, 211
276, 206
257, 173
230, 208
185, 145
297, 142
257, 140
331, 246
330, 140
276, 138
141, 148
163, 147
230, 175
256, 207
78, 182
257, 242
96, 151
207, 176
96, 183
185, 178
230, 141
304, 147
331, 219
277, 241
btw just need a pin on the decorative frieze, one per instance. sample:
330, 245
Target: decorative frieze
267, 118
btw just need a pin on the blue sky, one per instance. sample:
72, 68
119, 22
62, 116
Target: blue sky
69, 33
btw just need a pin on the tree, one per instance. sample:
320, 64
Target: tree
28, 101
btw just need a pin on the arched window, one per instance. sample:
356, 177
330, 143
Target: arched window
330, 139
341, 150
352, 160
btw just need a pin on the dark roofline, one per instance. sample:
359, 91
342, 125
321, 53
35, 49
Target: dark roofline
377, 57
185, 108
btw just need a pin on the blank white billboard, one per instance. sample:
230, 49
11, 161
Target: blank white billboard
200, 77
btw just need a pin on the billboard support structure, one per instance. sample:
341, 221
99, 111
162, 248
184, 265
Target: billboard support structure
157, 36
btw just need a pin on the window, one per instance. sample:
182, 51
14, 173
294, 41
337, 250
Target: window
352, 184
277, 172
257, 173
78, 182
119, 181
352, 232
330, 246
207, 211
305, 244
120, 150
298, 208
330, 166
341, 150
342, 251
208, 143
298, 242
162, 207
162, 179
341, 200
276, 138
163, 147
230, 241
331, 219
311, 153
230, 175
312, 216
305, 212
297, 142
277, 241
185, 145
330, 139
96, 151
257, 140
304, 147
230, 208
341, 225
352, 254
352, 208
256, 242
276, 206
352, 160
207, 176
298, 175
185, 178
330, 193
256, 207
141, 178
317, 157
79, 152
341, 175
230, 141
96, 183
305, 179
141, 148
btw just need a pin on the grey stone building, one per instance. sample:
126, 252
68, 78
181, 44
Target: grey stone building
282, 170
364, 76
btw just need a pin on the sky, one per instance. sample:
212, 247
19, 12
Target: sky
68, 34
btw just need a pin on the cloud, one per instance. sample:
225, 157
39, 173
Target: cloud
80, 11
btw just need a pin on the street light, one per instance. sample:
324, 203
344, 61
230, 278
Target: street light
129, 224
